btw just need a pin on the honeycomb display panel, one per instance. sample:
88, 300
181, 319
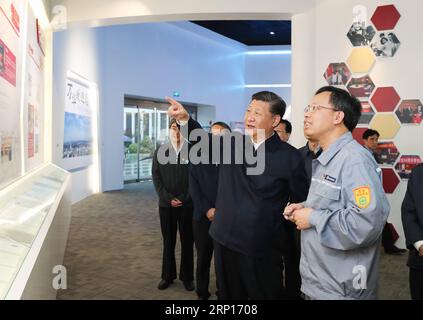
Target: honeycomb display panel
24, 206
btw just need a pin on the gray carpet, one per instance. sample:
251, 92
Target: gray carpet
114, 251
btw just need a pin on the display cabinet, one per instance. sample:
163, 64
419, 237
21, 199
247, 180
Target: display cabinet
28, 208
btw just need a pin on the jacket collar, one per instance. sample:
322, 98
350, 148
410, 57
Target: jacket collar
334, 148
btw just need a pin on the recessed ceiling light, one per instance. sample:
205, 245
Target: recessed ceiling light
272, 33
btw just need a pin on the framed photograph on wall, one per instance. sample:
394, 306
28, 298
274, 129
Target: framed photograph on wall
80, 129
406, 164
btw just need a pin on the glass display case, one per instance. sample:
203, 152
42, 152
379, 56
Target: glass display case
24, 206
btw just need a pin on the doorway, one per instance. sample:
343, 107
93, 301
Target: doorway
145, 128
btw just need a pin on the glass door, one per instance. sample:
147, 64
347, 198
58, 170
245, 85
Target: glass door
145, 129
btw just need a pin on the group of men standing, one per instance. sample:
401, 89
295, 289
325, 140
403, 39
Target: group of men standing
330, 190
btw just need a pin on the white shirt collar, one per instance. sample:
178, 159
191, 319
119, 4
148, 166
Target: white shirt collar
258, 144
177, 151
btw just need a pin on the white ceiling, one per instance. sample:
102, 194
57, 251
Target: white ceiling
108, 12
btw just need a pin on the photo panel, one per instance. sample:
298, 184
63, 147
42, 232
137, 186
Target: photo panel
410, 112
385, 44
367, 113
361, 87
337, 74
388, 153
406, 164
361, 33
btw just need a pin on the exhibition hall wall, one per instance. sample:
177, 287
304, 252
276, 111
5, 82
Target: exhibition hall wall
154, 60
320, 38
22, 90
269, 67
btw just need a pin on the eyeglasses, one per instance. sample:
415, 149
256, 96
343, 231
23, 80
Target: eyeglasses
314, 108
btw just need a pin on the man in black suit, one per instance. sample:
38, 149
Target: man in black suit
248, 225
412, 221
170, 178
292, 239
284, 130
370, 140
203, 182
310, 152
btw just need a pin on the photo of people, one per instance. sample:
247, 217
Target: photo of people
337, 74
6, 150
367, 113
2, 58
361, 34
388, 153
410, 112
385, 44
406, 164
78, 136
361, 87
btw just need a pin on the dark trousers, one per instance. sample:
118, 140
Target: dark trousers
291, 260
416, 284
204, 246
387, 240
170, 220
241, 277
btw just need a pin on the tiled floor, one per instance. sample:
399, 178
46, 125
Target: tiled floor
114, 251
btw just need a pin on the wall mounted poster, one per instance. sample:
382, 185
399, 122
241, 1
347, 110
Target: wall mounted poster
78, 136
10, 69
34, 98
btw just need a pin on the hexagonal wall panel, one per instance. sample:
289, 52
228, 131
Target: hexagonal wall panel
390, 180
361, 34
388, 153
410, 112
361, 60
385, 99
361, 87
385, 45
337, 74
367, 113
406, 164
387, 125
385, 17
358, 134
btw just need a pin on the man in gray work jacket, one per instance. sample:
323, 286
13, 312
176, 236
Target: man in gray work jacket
346, 209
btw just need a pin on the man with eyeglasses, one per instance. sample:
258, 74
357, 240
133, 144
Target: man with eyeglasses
346, 209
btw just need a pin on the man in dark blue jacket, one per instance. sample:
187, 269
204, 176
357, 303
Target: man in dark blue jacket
203, 181
248, 225
412, 221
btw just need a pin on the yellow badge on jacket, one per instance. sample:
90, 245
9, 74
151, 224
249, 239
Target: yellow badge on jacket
362, 197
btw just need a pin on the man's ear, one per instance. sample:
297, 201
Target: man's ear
276, 120
339, 117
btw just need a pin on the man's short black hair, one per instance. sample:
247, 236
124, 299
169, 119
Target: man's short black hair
221, 124
277, 104
343, 101
288, 126
370, 132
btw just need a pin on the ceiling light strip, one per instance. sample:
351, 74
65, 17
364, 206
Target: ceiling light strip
267, 52
282, 85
